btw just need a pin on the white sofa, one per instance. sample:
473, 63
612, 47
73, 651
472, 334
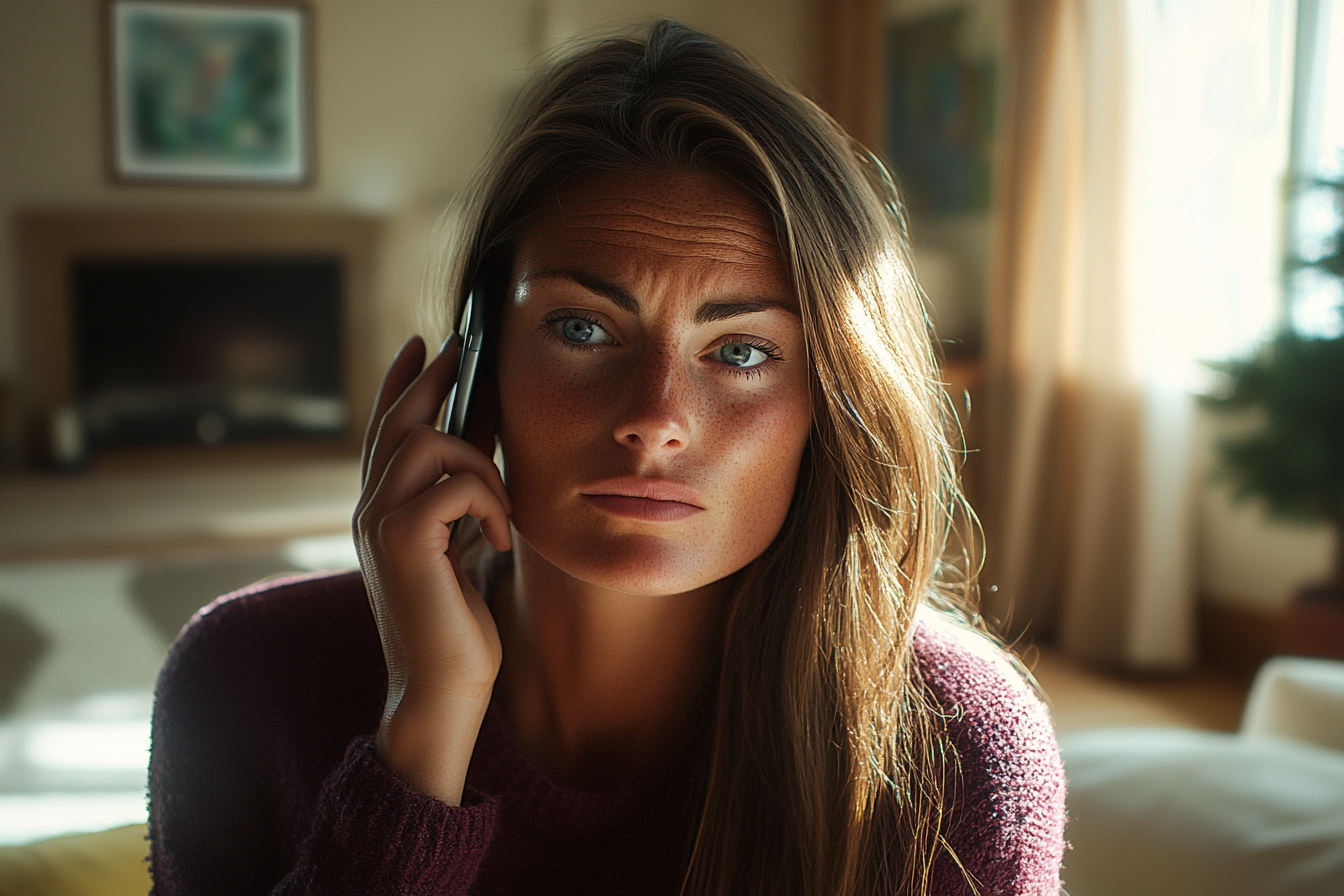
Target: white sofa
1157, 811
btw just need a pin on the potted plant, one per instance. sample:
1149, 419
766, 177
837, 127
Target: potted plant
1293, 459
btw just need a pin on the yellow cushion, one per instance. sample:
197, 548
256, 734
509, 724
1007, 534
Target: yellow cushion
106, 863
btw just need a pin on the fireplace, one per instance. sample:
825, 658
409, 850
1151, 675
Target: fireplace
196, 338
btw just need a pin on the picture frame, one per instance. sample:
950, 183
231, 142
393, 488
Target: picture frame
940, 115
209, 92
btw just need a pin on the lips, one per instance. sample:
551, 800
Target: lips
655, 500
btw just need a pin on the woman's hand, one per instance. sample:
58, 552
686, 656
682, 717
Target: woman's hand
439, 639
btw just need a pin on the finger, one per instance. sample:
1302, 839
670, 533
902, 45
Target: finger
424, 457
417, 404
400, 373
475, 602
422, 525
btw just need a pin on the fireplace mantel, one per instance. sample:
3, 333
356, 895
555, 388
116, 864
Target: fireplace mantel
50, 240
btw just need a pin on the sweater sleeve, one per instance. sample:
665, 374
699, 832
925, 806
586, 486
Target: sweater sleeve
263, 778
375, 834
1006, 829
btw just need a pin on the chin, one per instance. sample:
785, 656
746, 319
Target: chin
633, 563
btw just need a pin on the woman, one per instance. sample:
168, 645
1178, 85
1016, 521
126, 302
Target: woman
697, 653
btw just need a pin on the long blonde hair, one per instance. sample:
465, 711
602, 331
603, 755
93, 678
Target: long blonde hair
827, 770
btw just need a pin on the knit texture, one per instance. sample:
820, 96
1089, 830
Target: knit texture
263, 776
1008, 827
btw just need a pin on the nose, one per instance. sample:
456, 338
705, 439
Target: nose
654, 417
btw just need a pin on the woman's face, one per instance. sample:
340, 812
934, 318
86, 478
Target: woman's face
653, 382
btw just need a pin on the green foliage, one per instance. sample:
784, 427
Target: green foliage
1295, 459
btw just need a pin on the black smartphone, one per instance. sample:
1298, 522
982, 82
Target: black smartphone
471, 330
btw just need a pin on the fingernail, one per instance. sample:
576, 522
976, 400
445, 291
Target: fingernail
450, 341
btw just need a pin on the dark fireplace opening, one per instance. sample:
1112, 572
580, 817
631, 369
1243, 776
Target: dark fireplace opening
176, 351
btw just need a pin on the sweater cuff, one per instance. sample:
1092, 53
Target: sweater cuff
374, 833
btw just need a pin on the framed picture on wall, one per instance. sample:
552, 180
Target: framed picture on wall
940, 114
209, 92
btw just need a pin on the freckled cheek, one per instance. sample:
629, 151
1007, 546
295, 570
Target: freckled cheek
762, 444
546, 409
761, 462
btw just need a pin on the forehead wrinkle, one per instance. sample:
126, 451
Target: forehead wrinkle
738, 227
684, 248
747, 243
741, 227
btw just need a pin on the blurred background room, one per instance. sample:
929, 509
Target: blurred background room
221, 220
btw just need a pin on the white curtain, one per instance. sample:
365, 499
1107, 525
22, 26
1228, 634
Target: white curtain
1138, 234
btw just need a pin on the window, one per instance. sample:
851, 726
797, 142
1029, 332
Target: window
1314, 287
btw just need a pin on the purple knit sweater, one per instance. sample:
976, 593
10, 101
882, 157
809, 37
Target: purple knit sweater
263, 777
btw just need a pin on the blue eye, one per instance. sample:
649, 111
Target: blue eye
741, 355
584, 332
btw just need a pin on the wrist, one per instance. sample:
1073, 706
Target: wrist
427, 737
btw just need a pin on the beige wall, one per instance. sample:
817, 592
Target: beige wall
409, 93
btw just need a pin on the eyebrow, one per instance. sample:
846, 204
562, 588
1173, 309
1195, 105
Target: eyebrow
716, 311
708, 313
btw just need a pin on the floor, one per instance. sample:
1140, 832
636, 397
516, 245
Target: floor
85, 624
1082, 698
81, 642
